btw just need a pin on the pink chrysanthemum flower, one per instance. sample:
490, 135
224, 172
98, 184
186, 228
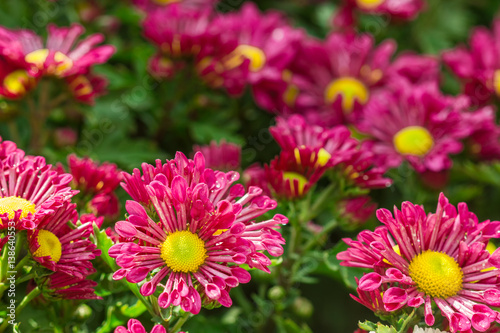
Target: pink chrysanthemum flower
399, 9
223, 156
179, 32
329, 83
255, 175
357, 210
7, 148
439, 258
204, 232
479, 67
417, 124
416, 68
334, 144
372, 299
484, 140
60, 285
135, 326
59, 57
92, 178
294, 172
15, 81
361, 170
153, 5
264, 45
29, 190
61, 248
86, 87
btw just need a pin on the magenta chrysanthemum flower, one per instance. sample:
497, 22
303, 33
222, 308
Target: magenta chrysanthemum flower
484, 140
93, 178
416, 68
435, 259
29, 190
152, 5
179, 32
330, 82
414, 123
61, 248
59, 56
204, 232
86, 87
361, 170
294, 172
135, 326
479, 67
61, 285
399, 9
223, 156
15, 79
7, 148
97, 183
264, 46
357, 210
255, 175
335, 144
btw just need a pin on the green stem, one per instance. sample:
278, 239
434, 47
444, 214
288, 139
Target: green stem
28, 298
4, 263
182, 320
21, 263
25, 278
144, 301
407, 322
326, 229
14, 132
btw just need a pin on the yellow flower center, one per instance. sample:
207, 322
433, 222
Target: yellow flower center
17, 81
413, 140
254, 54
350, 89
369, 4
81, 86
12, 204
38, 58
436, 274
496, 82
49, 245
183, 251
295, 176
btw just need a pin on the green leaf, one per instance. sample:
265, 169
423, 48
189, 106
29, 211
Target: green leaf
334, 269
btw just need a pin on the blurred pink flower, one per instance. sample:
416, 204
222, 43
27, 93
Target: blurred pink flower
59, 57
357, 210
264, 44
478, 67
152, 5
414, 123
330, 82
334, 144
223, 156
394, 9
